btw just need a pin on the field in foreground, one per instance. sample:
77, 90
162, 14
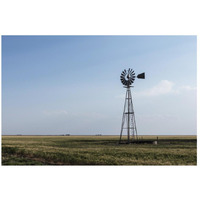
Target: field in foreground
97, 150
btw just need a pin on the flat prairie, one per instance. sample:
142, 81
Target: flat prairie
98, 150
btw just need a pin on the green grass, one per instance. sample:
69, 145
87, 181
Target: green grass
97, 150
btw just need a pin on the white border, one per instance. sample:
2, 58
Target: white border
100, 18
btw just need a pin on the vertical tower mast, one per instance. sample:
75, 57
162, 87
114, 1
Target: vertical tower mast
128, 118
128, 124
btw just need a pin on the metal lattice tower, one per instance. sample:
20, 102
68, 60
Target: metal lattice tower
128, 119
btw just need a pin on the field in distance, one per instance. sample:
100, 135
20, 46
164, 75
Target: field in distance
97, 150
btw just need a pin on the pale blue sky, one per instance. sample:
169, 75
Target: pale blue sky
71, 84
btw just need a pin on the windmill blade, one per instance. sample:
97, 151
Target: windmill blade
133, 72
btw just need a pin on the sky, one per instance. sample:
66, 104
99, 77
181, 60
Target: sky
71, 84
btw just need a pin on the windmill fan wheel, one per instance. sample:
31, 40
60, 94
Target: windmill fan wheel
127, 77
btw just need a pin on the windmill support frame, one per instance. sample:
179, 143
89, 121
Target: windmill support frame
128, 119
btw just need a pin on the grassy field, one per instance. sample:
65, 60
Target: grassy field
97, 150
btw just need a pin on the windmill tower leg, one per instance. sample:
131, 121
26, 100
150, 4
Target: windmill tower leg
133, 127
123, 118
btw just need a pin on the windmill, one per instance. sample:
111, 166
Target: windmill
128, 119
